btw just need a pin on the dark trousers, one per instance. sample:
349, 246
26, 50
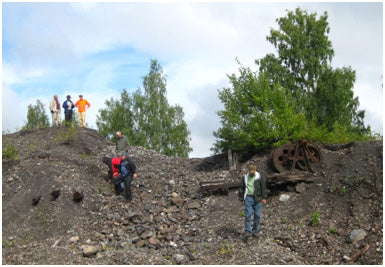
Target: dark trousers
127, 185
68, 115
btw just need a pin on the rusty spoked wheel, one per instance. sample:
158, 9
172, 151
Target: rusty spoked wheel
282, 157
300, 160
313, 153
297, 155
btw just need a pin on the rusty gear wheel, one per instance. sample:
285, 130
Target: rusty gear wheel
282, 157
295, 156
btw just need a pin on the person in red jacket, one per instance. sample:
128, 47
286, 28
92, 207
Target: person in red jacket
82, 105
116, 170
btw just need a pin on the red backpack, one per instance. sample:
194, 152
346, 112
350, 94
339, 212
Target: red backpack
115, 165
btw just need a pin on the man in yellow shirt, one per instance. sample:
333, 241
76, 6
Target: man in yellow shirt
82, 105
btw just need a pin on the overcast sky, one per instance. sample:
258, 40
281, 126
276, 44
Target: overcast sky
98, 49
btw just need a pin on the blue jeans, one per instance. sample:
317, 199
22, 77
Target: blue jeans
250, 208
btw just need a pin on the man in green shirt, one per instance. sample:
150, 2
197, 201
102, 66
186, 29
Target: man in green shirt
252, 192
122, 144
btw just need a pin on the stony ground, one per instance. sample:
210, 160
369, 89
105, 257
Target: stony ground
334, 217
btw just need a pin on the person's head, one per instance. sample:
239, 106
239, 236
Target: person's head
68, 97
80, 96
119, 154
55, 97
122, 155
118, 134
252, 169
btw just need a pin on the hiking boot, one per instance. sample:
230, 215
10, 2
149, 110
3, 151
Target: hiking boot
118, 190
245, 236
255, 235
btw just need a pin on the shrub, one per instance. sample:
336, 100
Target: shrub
332, 230
9, 153
315, 218
67, 135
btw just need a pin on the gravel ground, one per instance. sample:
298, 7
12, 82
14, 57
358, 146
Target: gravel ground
334, 217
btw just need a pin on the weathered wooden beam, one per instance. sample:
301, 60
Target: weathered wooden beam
225, 185
282, 178
271, 180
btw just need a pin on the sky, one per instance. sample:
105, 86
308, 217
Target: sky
99, 49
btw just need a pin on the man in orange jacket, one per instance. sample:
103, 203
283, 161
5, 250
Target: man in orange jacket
81, 105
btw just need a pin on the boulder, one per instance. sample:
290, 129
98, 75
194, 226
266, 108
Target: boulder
357, 235
300, 188
89, 250
177, 201
284, 197
180, 259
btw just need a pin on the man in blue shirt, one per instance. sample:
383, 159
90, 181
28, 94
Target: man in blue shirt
68, 106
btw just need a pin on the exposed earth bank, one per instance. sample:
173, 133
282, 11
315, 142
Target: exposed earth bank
335, 216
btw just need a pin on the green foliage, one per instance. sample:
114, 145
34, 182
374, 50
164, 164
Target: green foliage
83, 156
315, 218
42, 214
225, 249
8, 243
257, 115
100, 188
66, 135
241, 213
284, 220
9, 152
147, 119
36, 116
23, 238
332, 230
293, 95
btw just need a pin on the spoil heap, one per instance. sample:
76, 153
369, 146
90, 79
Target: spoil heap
335, 217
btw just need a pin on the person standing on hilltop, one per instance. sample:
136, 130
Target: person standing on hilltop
122, 144
252, 192
54, 106
68, 106
82, 105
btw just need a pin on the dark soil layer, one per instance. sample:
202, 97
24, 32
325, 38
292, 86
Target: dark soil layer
170, 220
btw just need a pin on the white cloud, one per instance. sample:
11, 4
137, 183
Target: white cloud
69, 47
15, 107
15, 73
11, 119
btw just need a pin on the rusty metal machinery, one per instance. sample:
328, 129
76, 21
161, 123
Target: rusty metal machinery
299, 155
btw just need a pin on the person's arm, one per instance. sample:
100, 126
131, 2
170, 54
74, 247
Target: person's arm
126, 143
131, 165
241, 191
264, 191
51, 106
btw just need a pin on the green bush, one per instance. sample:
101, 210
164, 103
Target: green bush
9, 153
67, 135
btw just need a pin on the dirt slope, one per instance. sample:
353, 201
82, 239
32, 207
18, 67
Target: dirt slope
170, 220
